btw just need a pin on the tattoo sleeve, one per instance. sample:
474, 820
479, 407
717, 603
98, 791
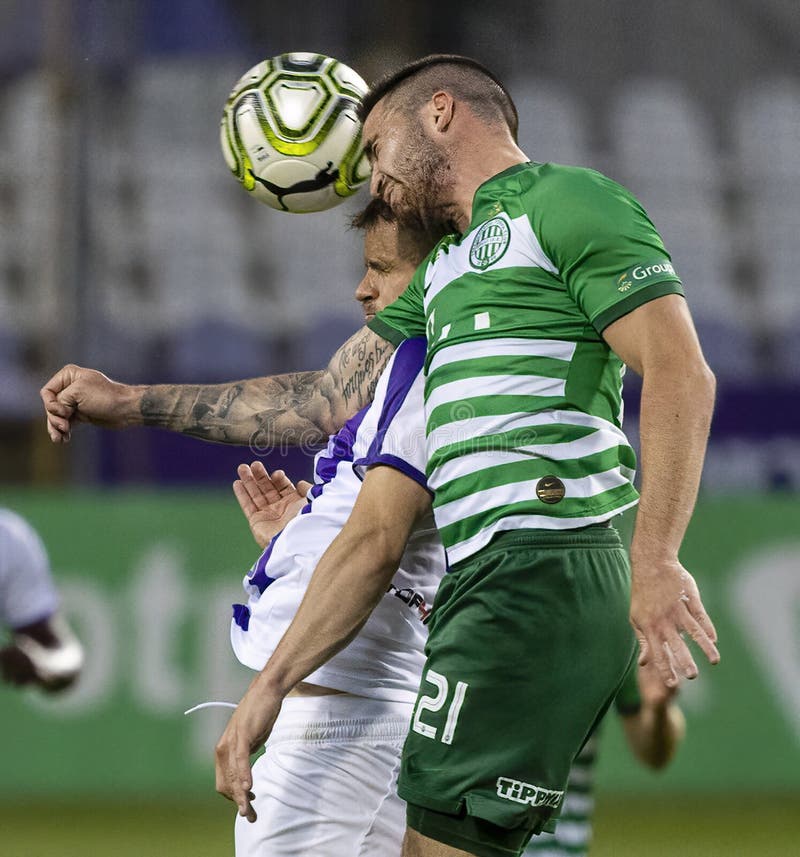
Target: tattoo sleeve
296, 409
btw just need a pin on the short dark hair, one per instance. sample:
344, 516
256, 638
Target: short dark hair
416, 241
373, 213
468, 80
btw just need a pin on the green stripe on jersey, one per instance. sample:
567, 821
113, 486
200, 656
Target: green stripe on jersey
517, 367
485, 406
502, 365
525, 440
528, 469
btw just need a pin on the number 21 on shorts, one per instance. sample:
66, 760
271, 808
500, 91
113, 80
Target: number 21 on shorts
436, 703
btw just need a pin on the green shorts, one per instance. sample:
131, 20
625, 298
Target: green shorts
529, 640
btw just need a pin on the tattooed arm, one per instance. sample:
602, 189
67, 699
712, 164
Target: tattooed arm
297, 408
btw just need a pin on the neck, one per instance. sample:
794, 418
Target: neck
476, 165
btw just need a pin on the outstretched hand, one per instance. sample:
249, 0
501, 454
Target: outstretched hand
268, 501
665, 604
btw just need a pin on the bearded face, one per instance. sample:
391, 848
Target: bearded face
409, 170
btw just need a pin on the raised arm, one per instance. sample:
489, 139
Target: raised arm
294, 409
658, 341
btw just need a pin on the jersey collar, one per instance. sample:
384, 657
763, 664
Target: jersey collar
483, 202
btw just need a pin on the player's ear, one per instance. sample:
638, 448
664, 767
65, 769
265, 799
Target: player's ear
442, 109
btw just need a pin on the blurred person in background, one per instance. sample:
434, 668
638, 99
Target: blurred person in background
42, 650
654, 727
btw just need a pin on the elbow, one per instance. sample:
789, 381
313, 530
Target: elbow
706, 380
697, 374
689, 376
706, 389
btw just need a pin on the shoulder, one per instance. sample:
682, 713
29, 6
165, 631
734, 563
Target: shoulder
559, 184
569, 208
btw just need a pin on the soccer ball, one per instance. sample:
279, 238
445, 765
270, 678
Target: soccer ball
290, 133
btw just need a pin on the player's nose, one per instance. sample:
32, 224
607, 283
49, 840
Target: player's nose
364, 290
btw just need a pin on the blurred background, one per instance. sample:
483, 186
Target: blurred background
126, 245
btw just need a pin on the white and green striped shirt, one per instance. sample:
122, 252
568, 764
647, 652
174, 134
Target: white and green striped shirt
523, 396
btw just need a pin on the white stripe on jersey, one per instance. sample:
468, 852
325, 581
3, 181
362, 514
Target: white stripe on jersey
453, 261
493, 385
477, 461
471, 427
503, 347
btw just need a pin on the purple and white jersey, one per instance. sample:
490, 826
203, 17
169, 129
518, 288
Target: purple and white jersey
385, 660
27, 592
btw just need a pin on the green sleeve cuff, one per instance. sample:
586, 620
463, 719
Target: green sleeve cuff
386, 331
632, 302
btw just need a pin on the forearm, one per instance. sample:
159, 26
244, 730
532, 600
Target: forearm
260, 412
295, 409
358, 564
655, 733
676, 408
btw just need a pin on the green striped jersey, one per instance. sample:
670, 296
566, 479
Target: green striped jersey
523, 399
573, 833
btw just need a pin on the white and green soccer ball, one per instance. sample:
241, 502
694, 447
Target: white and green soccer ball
290, 133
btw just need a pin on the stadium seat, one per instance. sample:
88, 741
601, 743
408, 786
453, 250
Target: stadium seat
127, 353
176, 107
322, 337
660, 132
552, 123
771, 226
730, 349
786, 351
766, 130
19, 388
29, 164
213, 350
315, 260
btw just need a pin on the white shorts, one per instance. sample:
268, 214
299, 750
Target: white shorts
326, 785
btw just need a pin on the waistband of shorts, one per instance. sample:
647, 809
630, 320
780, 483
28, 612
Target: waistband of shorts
342, 717
602, 535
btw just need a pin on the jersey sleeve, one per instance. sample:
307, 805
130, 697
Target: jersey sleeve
405, 318
606, 249
628, 699
399, 439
